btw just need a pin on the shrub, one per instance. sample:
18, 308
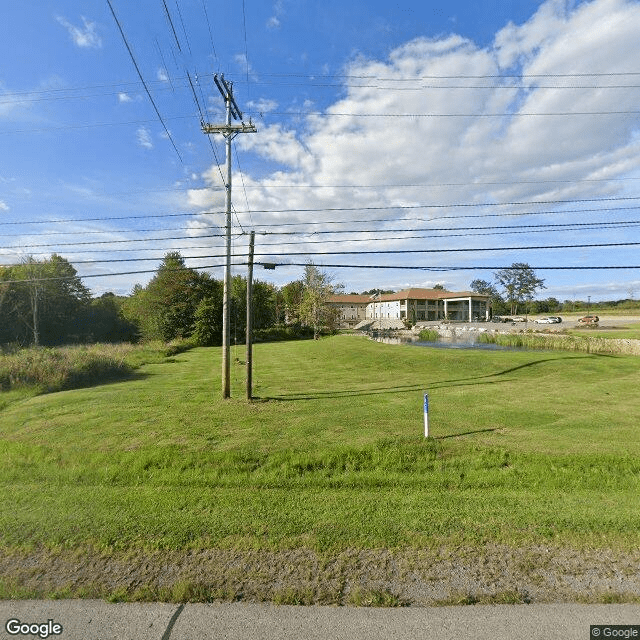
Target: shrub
54, 369
283, 332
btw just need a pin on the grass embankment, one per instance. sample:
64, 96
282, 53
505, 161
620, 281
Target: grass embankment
628, 331
603, 343
37, 370
528, 449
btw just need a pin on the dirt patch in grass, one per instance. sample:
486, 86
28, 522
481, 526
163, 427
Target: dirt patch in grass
376, 577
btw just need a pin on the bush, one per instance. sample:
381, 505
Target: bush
54, 369
283, 332
428, 335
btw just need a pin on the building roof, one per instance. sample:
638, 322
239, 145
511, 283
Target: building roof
412, 294
463, 294
407, 294
349, 299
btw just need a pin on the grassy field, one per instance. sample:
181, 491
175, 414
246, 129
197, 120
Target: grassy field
527, 448
623, 330
327, 470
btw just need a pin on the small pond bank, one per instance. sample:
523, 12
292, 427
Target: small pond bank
472, 336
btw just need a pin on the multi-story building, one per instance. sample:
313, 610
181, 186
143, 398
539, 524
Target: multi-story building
413, 305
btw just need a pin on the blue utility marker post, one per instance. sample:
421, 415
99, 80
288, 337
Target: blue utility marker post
426, 415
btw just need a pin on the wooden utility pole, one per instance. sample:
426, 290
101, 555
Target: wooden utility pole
229, 131
250, 317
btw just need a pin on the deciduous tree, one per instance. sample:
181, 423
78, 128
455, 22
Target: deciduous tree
45, 302
314, 312
519, 283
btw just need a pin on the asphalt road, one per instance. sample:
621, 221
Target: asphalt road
98, 620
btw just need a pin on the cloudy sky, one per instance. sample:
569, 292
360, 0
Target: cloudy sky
398, 144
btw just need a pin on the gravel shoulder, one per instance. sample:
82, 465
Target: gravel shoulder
369, 577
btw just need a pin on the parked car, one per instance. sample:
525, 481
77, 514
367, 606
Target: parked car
500, 319
589, 319
518, 319
549, 320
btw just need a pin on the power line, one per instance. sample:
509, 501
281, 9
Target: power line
517, 114
326, 115
206, 15
271, 265
460, 250
246, 49
186, 37
173, 29
568, 226
452, 205
404, 79
391, 252
144, 84
380, 186
495, 230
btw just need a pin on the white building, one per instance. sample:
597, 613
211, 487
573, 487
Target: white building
413, 305
352, 308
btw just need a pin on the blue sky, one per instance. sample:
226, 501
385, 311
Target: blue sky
425, 135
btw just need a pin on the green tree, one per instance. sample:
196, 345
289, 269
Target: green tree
44, 302
165, 308
372, 292
488, 289
208, 317
314, 312
264, 305
519, 283
292, 295
107, 323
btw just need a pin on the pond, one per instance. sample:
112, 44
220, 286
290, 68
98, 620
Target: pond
467, 341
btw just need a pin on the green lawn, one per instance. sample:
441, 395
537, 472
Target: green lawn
623, 330
527, 448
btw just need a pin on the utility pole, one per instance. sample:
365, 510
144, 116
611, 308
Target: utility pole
250, 318
229, 131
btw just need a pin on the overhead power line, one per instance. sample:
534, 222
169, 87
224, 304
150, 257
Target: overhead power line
491, 230
460, 250
388, 252
119, 85
452, 205
144, 84
271, 265
327, 115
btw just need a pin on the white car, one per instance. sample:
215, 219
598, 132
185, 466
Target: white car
548, 320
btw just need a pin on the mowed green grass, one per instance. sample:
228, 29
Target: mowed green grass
626, 330
527, 448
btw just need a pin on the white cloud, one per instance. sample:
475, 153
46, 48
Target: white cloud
143, 137
161, 74
479, 144
124, 97
277, 144
85, 37
4, 206
262, 105
278, 9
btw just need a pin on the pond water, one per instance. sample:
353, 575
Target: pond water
468, 341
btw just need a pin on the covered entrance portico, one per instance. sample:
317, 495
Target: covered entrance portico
466, 309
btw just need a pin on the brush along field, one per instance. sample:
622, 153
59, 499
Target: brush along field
323, 489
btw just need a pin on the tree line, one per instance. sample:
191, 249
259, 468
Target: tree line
513, 289
44, 302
